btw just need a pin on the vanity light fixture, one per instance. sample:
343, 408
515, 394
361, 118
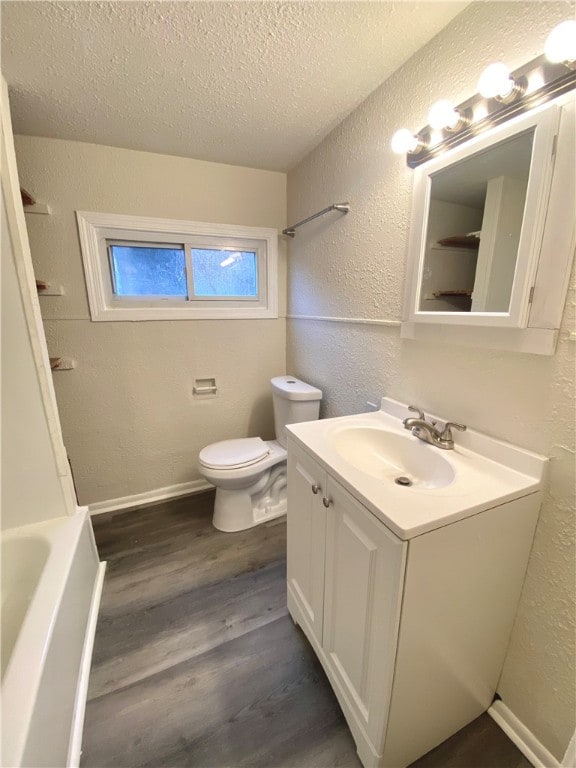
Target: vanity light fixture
501, 95
405, 142
496, 82
443, 116
560, 46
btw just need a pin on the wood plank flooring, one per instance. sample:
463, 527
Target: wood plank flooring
197, 663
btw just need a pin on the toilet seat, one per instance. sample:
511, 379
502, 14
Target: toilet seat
234, 454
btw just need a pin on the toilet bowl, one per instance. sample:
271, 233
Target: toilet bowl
250, 473
248, 491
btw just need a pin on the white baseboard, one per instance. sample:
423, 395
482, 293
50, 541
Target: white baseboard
149, 497
532, 749
75, 748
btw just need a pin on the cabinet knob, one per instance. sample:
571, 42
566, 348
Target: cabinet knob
315, 489
326, 501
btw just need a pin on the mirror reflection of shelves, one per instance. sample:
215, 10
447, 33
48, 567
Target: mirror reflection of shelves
485, 196
454, 291
469, 242
461, 299
451, 261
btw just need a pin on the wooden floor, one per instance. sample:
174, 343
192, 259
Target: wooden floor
197, 663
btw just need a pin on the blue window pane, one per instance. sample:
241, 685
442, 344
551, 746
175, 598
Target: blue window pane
225, 273
139, 271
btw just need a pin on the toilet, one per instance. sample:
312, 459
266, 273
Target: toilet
250, 473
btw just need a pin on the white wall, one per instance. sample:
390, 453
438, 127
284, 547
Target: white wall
353, 267
129, 419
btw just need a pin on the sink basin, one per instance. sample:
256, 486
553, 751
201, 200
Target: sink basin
390, 456
367, 452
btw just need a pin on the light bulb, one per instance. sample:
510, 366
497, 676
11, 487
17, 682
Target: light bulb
495, 82
404, 141
443, 115
561, 43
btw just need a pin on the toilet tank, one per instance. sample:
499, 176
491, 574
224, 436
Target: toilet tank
294, 401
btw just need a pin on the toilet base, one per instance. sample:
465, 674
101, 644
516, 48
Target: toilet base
232, 514
237, 510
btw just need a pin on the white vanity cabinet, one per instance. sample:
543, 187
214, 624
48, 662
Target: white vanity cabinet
307, 540
344, 586
412, 633
364, 568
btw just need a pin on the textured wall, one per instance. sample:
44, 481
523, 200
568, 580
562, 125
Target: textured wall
353, 267
129, 419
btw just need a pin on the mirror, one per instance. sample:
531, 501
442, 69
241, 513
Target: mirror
477, 223
473, 229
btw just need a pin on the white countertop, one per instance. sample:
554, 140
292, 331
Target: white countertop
488, 472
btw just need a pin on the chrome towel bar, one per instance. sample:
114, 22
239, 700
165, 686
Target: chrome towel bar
342, 207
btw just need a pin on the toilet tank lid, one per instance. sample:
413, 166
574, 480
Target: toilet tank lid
291, 388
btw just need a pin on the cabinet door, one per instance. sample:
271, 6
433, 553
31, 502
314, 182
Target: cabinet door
306, 538
364, 577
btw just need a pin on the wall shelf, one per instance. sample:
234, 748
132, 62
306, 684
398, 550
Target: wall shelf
62, 364
31, 205
47, 289
27, 198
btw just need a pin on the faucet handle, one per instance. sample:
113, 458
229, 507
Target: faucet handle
447, 431
418, 411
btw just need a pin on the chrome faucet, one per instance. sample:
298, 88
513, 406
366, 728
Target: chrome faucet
428, 431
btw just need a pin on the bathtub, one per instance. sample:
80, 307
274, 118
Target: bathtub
51, 585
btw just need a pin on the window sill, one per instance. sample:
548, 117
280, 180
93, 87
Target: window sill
129, 314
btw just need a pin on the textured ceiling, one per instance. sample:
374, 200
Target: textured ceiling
250, 83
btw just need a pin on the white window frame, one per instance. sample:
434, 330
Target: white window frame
97, 230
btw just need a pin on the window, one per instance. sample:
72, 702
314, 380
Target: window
160, 269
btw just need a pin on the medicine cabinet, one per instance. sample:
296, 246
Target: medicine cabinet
492, 236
